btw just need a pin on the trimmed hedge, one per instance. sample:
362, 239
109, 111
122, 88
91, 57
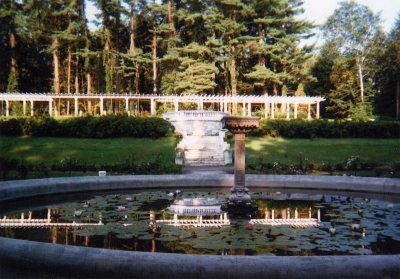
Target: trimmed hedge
328, 129
23, 170
88, 127
152, 127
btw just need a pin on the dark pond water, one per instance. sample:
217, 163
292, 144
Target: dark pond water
192, 222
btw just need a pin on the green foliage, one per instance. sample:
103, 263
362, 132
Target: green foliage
328, 129
12, 83
89, 127
11, 127
74, 165
361, 112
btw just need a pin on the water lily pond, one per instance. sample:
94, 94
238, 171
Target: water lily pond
283, 224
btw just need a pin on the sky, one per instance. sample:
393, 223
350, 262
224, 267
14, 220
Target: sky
317, 11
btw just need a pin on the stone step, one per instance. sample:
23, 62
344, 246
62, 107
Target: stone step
199, 155
197, 163
203, 159
201, 140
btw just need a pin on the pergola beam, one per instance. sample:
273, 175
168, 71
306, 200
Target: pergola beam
222, 102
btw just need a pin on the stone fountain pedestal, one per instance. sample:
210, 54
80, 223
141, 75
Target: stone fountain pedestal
239, 199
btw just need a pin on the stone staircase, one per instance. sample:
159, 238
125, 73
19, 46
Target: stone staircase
203, 151
203, 142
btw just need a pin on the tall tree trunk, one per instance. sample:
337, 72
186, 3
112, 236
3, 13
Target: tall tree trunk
154, 58
69, 72
87, 47
107, 63
77, 76
13, 44
137, 78
12, 78
261, 58
89, 83
132, 26
171, 18
56, 61
398, 97
232, 71
226, 78
275, 86
360, 78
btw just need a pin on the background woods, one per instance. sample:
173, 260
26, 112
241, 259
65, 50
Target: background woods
201, 47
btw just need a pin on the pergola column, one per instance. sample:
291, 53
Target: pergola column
249, 110
295, 110
24, 107
200, 105
51, 107
76, 106
244, 109
273, 110
287, 110
153, 104
176, 105
101, 106
32, 112
127, 105
266, 106
309, 111
225, 106
7, 108
317, 110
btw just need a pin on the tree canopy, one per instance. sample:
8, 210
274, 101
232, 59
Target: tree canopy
201, 47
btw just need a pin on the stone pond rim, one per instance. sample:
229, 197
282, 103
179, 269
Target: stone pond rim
62, 261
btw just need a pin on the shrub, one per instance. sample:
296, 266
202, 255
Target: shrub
11, 127
89, 127
328, 129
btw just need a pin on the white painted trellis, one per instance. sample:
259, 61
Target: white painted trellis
217, 102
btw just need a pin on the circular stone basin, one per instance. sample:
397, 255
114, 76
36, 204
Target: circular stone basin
192, 222
355, 221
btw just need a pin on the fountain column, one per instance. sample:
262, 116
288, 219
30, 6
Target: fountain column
240, 126
240, 158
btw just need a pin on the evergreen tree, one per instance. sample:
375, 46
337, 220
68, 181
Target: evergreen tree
280, 61
9, 20
389, 74
197, 71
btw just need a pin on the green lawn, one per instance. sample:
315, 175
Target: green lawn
93, 151
289, 151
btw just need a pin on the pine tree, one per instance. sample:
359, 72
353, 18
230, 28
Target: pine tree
197, 71
9, 13
279, 58
388, 102
111, 28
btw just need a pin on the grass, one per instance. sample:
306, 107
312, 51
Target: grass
289, 151
39, 150
47, 150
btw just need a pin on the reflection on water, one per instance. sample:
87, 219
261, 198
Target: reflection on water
193, 222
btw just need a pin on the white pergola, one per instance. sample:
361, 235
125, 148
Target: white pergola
269, 105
